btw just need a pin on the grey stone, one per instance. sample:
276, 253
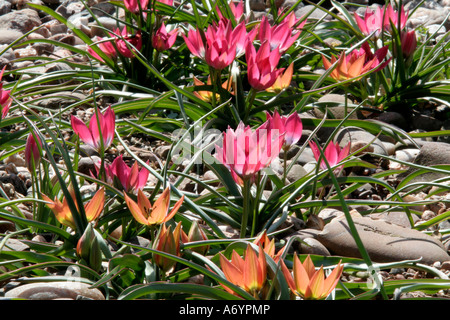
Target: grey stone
335, 104
356, 135
23, 20
5, 7
55, 290
425, 122
407, 154
384, 242
297, 172
313, 246
8, 36
393, 118
87, 165
397, 217
431, 153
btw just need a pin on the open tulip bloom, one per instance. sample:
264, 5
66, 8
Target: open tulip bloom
129, 179
309, 283
158, 213
357, 63
333, 154
163, 40
380, 19
245, 152
223, 43
249, 273
62, 211
283, 81
91, 134
279, 36
120, 43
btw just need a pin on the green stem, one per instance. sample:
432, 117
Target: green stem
254, 206
284, 165
246, 194
249, 103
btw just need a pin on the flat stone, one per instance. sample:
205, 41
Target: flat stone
355, 135
431, 153
55, 290
397, 217
313, 246
384, 242
22, 20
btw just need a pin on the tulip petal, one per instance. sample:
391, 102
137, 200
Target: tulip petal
174, 209
95, 206
160, 207
80, 128
135, 210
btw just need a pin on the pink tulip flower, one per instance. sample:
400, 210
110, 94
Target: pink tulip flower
32, 155
91, 135
237, 9
245, 152
127, 43
379, 20
133, 5
129, 179
104, 45
5, 97
333, 154
168, 2
293, 21
291, 126
279, 36
262, 69
163, 40
223, 43
120, 43
409, 43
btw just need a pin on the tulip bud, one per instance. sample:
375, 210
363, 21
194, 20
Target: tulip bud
88, 249
196, 234
409, 43
168, 242
32, 155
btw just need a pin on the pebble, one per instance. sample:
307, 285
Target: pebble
55, 290
430, 153
313, 246
356, 135
384, 242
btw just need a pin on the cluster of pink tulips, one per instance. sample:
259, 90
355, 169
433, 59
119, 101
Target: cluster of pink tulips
224, 43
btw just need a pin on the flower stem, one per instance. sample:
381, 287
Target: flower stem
246, 194
284, 165
249, 103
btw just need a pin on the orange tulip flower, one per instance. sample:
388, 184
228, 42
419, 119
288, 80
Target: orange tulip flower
357, 63
168, 241
249, 273
158, 213
309, 283
268, 246
62, 210
283, 81
208, 95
